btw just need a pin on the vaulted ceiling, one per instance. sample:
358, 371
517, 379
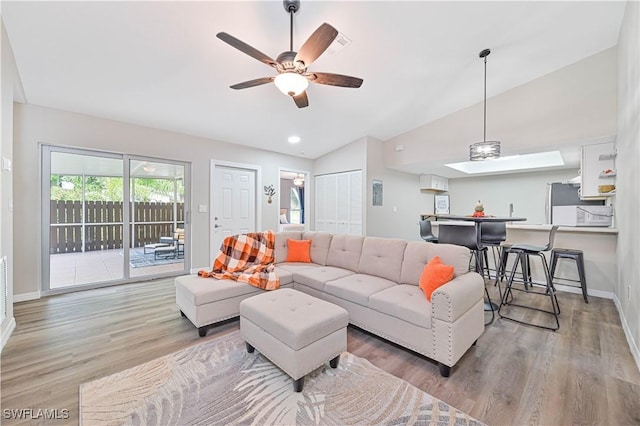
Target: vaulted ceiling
159, 64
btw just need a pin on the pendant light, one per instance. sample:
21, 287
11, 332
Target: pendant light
485, 150
298, 180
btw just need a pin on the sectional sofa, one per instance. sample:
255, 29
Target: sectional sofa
375, 280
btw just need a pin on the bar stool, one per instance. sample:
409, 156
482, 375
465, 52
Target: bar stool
492, 234
578, 257
426, 233
523, 253
465, 235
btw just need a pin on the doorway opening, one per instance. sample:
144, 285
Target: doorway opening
294, 200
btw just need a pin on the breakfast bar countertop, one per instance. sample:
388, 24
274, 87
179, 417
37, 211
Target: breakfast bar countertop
580, 229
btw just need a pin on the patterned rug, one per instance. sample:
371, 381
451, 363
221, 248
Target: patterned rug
219, 383
138, 259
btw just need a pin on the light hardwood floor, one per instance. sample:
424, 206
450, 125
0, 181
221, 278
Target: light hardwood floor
582, 374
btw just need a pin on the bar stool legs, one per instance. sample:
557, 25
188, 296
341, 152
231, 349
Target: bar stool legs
576, 255
522, 259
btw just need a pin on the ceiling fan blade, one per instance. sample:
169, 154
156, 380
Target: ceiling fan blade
253, 83
244, 47
316, 44
335, 79
301, 100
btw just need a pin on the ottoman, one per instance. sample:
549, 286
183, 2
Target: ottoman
295, 331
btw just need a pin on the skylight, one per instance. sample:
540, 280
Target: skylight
510, 163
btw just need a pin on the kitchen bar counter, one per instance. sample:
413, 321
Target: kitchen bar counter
580, 229
597, 243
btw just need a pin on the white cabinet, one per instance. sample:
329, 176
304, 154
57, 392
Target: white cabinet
434, 183
338, 206
597, 169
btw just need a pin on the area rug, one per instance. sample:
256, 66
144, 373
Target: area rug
219, 383
138, 259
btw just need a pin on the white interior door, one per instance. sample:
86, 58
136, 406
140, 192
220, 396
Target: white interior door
234, 203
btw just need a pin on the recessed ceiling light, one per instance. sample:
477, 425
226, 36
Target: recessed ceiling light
511, 163
294, 139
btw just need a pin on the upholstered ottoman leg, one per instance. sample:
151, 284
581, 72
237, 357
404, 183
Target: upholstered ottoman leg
334, 362
202, 331
250, 348
298, 384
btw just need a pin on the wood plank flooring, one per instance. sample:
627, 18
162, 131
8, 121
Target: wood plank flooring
582, 374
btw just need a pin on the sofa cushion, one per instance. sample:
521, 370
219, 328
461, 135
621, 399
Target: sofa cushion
280, 249
286, 277
320, 242
357, 288
299, 251
296, 266
405, 302
317, 277
417, 254
345, 251
382, 257
208, 290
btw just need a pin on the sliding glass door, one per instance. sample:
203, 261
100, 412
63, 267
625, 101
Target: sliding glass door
91, 236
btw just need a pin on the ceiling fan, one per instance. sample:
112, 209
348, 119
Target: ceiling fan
292, 67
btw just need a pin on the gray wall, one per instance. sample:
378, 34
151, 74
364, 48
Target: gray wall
628, 179
34, 124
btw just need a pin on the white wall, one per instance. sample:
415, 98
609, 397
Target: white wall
572, 106
10, 89
628, 179
350, 157
403, 201
527, 192
34, 124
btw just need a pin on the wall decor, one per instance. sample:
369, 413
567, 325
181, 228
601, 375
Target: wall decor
441, 204
269, 191
377, 192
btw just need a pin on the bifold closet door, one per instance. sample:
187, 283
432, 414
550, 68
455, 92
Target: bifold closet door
338, 206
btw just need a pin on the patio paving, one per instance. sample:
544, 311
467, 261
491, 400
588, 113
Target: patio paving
71, 269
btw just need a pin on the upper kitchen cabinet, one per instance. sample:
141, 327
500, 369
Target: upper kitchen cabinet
434, 183
598, 171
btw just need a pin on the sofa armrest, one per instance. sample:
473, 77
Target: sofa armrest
457, 296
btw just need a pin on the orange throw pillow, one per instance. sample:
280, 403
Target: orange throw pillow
298, 251
434, 275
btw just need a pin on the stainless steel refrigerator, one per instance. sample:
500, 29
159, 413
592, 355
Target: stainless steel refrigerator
565, 194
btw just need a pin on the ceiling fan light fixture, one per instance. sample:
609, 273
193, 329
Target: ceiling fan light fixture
291, 83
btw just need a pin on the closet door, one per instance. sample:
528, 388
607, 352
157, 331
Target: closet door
338, 206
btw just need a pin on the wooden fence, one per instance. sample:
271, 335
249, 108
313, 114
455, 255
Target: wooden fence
101, 225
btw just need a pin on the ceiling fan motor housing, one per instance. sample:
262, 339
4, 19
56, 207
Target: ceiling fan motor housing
286, 63
291, 5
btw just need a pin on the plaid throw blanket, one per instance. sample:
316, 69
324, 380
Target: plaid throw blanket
247, 258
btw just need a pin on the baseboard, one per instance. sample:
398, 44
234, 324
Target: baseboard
7, 333
26, 296
633, 346
578, 290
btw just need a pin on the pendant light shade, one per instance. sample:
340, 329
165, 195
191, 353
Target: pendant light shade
485, 150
